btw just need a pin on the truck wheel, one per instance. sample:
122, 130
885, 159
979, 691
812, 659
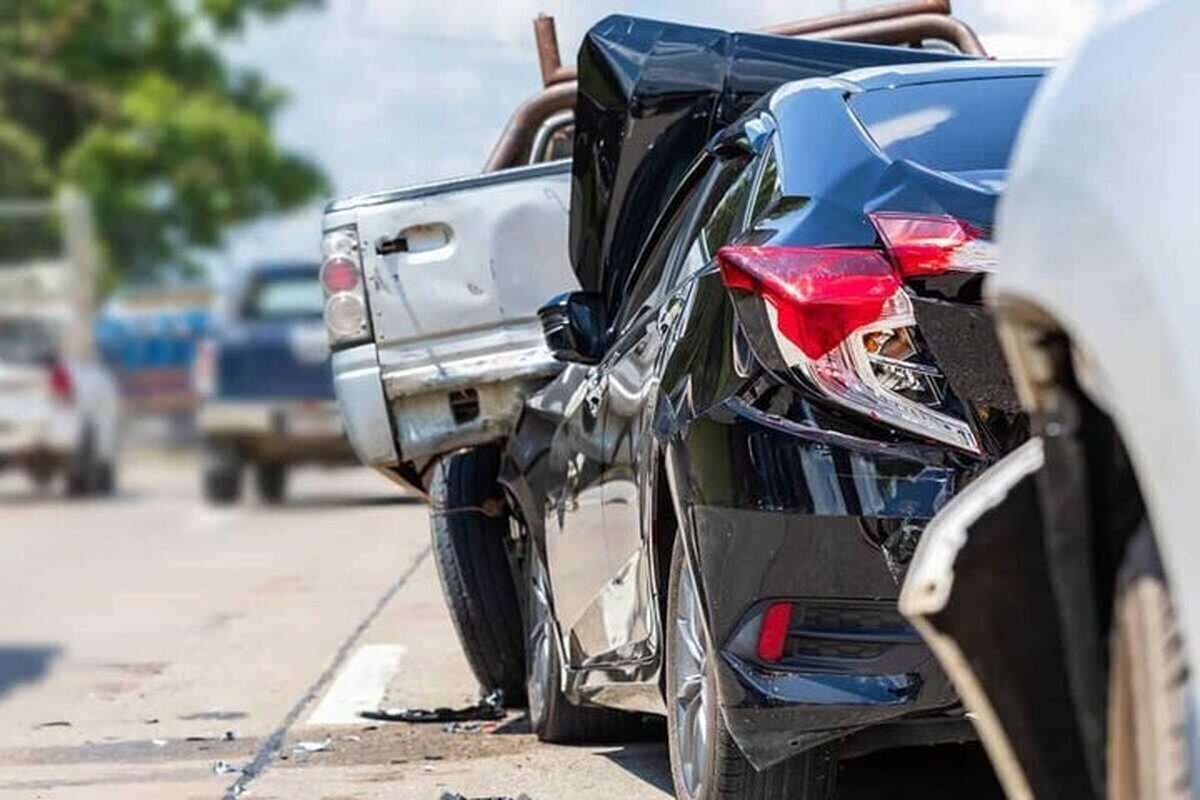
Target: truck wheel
222, 474
106, 479
706, 763
551, 715
271, 482
1147, 707
469, 524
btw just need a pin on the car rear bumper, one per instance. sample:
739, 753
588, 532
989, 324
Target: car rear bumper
826, 522
35, 436
278, 430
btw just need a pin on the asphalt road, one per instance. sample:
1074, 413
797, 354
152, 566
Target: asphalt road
152, 647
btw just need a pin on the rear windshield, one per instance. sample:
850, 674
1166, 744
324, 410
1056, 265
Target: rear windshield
25, 340
956, 126
285, 297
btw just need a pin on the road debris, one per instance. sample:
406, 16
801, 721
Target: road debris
56, 723
159, 742
490, 707
456, 796
312, 747
224, 768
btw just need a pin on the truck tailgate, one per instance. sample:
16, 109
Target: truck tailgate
456, 270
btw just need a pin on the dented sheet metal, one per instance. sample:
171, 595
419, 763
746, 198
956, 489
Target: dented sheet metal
651, 95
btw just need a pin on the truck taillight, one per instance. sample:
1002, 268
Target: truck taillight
62, 385
204, 370
346, 317
840, 318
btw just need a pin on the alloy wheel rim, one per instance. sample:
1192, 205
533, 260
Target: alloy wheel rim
538, 646
692, 703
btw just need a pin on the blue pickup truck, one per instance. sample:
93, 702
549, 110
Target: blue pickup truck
268, 391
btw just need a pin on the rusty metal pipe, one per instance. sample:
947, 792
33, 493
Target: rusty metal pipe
512, 147
910, 30
549, 56
894, 24
873, 14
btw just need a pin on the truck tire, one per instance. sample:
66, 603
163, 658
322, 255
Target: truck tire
1148, 753
706, 763
468, 522
270, 479
222, 474
551, 715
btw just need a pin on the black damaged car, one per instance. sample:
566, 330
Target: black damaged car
779, 371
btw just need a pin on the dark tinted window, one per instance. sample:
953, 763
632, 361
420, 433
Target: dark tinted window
648, 276
292, 296
956, 126
27, 340
720, 218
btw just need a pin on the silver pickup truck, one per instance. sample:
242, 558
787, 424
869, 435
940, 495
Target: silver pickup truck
431, 294
441, 342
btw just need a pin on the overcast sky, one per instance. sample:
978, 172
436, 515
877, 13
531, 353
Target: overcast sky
387, 93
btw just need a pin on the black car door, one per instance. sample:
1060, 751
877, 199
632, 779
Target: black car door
644, 324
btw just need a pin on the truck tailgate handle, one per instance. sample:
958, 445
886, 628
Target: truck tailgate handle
415, 239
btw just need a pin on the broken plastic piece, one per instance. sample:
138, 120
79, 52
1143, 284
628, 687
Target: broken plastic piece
312, 747
490, 707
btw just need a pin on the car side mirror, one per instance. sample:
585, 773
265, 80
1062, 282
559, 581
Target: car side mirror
574, 326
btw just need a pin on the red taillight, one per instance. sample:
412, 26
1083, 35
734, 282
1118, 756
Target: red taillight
62, 387
821, 295
339, 275
772, 636
924, 245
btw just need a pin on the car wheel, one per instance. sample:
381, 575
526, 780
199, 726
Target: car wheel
270, 480
81, 473
469, 524
706, 763
106, 479
551, 715
1147, 716
222, 474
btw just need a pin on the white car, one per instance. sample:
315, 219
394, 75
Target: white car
58, 414
1070, 636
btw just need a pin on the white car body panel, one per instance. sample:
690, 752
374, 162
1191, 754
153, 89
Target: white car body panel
1099, 229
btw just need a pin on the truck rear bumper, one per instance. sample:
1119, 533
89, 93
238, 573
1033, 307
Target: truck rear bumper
358, 384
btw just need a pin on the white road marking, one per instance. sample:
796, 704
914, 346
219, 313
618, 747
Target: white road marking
360, 686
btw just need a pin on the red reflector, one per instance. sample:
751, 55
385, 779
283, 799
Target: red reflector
61, 386
773, 635
339, 275
928, 244
821, 294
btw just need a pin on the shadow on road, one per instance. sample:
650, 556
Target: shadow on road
25, 663
920, 773
646, 761
310, 502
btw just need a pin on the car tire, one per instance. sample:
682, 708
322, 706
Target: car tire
270, 480
1148, 676
551, 715
81, 472
468, 523
222, 474
706, 763
106, 479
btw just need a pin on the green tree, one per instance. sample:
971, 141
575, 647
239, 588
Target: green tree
131, 101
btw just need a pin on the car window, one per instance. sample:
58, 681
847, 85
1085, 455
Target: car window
647, 282
953, 126
769, 188
286, 297
27, 340
721, 213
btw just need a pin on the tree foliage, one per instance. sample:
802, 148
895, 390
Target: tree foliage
131, 101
